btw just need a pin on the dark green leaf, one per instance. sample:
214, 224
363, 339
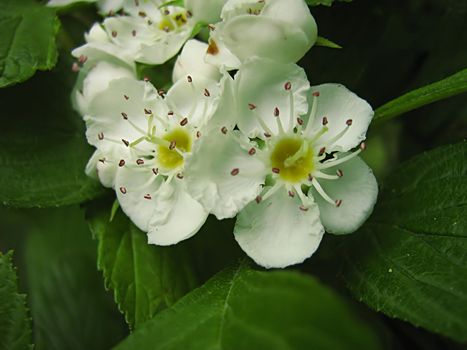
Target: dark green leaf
247, 309
450, 86
27, 41
409, 261
323, 2
43, 151
15, 327
145, 278
69, 305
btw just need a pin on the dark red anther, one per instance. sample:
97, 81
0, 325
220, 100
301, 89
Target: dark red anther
252, 151
300, 121
123, 190
258, 199
303, 208
180, 176
126, 97
234, 171
198, 134
121, 163
139, 161
124, 115
276, 170
172, 145
100, 136
147, 111
321, 151
291, 194
338, 202
184, 121
207, 93
325, 121
276, 112
126, 142
147, 196
288, 85
316, 94
348, 122
224, 130
189, 78
114, 33
251, 106
155, 171
339, 173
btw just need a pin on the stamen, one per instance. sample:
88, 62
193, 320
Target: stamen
312, 114
291, 193
252, 151
126, 142
189, 78
207, 93
325, 121
251, 106
140, 161
339, 173
338, 202
100, 136
300, 121
280, 127
123, 190
224, 130
320, 190
288, 86
180, 176
304, 199
258, 199
155, 171
147, 196
184, 121
198, 134
82, 59
114, 33
276, 170
147, 111
121, 163
172, 145
271, 191
234, 171
334, 162
124, 115
348, 122
126, 97
321, 151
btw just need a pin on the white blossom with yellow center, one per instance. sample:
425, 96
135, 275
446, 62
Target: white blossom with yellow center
292, 170
143, 141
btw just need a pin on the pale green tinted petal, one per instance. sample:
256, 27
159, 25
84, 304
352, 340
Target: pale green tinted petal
191, 61
136, 187
208, 172
205, 11
177, 215
296, 13
261, 83
218, 54
357, 189
338, 105
248, 36
194, 97
112, 112
97, 79
275, 233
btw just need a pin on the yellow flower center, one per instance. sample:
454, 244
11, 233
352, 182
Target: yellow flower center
292, 159
173, 21
171, 158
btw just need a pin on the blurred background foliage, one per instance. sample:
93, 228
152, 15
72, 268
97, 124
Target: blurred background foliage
389, 48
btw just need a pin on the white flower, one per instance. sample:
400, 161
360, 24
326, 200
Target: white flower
150, 35
143, 141
298, 175
282, 30
191, 61
205, 11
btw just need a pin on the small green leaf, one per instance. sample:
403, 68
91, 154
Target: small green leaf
15, 325
324, 2
27, 42
145, 278
450, 86
409, 260
321, 41
246, 309
43, 150
69, 305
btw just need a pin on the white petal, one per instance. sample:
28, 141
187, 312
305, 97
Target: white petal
205, 11
194, 97
247, 36
358, 191
296, 13
105, 117
226, 106
262, 82
97, 79
191, 61
177, 216
275, 233
136, 188
338, 104
218, 54
103, 165
209, 179
107, 6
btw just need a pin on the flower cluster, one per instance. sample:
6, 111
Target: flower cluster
240, 131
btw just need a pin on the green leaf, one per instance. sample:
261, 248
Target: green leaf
247, 309
69, 305
321, 41
145, 278
450, 86
43, 150
324, 2
15, 327
27, 43
409, 260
